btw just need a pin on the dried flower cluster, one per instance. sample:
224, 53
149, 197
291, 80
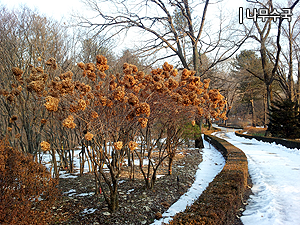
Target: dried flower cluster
51, 103
118, 145
132, 145
88, 136
62, 85
11, 95
43, 121
52, 63
90, 69
45, 146
143, 122
17, 72
69, 122
36, 80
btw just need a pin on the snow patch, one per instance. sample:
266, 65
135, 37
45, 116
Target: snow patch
213, 162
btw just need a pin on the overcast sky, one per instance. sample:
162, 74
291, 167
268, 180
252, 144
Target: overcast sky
57, 9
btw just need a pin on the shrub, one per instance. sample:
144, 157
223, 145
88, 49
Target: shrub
27, 190
284, 119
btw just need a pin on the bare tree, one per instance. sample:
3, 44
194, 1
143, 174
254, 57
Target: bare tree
263, 34
291, 33
26, 40
168, 25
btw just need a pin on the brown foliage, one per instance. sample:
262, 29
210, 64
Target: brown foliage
27, 190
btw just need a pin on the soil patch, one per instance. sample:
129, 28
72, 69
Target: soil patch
79, 205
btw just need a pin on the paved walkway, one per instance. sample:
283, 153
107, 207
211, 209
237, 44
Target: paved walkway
275, 173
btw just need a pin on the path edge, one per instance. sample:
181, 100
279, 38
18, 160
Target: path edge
289, 143
225, 198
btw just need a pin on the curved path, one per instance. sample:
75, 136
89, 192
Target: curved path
212, 163
275, 173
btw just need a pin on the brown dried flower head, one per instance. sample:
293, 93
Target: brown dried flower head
45, 146
143, 122
140, 75
143, 108
66, 75
94, 115
171, 84
101, 63
36, 86
81, 104
118, 145
51, 103
81, 65
69, 122
119, 93
185, 74
88, 136
17, 72
133, 99
132, 145
43, 121
90, 66
174, 72
136, 89
167, 67
52, 63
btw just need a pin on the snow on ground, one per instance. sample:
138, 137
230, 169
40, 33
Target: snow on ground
275, 173
213, 162
89, 211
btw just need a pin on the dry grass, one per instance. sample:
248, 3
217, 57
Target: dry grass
255, 131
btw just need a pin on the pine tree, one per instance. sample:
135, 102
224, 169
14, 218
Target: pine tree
284, 119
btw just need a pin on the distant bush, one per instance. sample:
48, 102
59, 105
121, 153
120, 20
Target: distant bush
284, 119
27, 190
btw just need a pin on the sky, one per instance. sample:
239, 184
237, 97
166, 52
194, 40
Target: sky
58, 9
62, 8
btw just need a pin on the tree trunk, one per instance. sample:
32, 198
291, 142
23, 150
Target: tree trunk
291, 94
265, 111
269, 93
298, 84
82, 159
114, 197
54, 163
198, 139
131, 177
253, 114
170, 165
